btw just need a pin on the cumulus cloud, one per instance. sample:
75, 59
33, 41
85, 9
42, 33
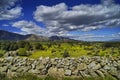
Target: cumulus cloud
28, 27
84, 17
8, 11
5, 25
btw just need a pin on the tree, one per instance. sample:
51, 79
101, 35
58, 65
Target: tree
38, 46
22, 52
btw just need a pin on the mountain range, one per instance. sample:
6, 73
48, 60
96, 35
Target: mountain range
5, 35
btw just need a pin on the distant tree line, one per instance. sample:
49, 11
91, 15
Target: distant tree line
12, 45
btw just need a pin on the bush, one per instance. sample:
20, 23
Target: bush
23, 52
1, 53
66, 54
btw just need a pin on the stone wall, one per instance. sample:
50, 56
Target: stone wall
60, 67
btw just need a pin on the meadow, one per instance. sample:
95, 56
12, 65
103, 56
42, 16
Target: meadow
60, 49
76, 49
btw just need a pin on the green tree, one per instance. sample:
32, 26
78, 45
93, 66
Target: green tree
23, 52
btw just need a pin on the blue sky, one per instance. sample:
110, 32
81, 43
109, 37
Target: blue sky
90, 20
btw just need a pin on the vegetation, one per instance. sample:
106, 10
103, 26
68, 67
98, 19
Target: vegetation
1, 53
23, 52
34, 77
61, 48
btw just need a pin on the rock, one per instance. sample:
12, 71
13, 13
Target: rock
11, 74
118, 75
82, 66
115, 64
13, 68
44, 61
34, 71
96, 67
3, 69
75, 72
33, 66
91, 65
40, 66
100, 73
54, 72
83, 74
104, 71
113, 71
9, 58
106, 67
93, 74
44, 72
68, 72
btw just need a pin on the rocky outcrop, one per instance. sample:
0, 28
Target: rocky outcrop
60, 67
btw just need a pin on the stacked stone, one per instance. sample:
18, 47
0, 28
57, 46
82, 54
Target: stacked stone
61, 67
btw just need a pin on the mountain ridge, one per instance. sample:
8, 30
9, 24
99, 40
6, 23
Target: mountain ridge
6, 35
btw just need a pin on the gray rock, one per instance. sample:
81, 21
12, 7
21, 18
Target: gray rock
93, 74
34, 71
91, 65
43, 72
13, 68
11, 74
96, 67
40, 66
54, 72
106, 67
100, 73
83, 74
68, 72
3, 69
82, 66
75, 72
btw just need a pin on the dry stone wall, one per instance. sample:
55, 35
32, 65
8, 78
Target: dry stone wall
81, 67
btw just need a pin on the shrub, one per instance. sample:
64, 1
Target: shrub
23, 52
66, 54
1, 53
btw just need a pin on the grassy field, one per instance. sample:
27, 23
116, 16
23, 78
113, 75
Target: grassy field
34, 77
75, 50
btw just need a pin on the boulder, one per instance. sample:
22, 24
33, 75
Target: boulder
92, 64
3, 69
96, 67
54, 72
34, 71
82, 66
100, 73
68, 72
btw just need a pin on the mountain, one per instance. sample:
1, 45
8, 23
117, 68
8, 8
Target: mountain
60, 38
5, 35
33, 37
115, 40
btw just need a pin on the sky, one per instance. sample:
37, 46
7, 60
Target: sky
89, 20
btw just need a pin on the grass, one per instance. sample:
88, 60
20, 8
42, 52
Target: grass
75, 50
34, 77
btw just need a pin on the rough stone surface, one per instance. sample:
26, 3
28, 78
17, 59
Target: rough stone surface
60, 67
68, 72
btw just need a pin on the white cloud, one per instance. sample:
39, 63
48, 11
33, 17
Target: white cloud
5, 25
29, 27
80, 17
7, 11
11, 14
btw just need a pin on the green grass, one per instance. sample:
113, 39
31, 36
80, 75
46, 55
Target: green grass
34, 77
75, 50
